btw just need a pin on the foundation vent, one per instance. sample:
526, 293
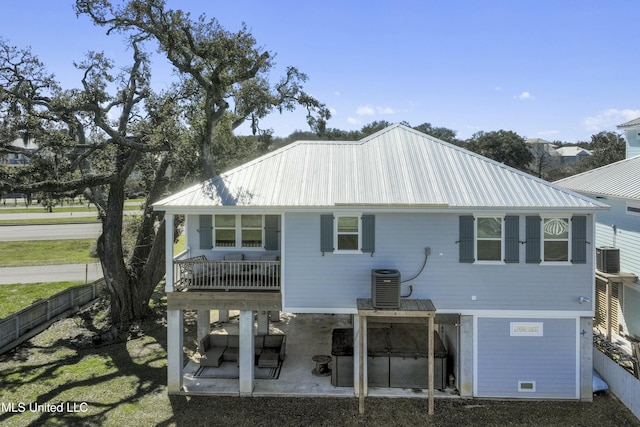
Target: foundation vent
527, 386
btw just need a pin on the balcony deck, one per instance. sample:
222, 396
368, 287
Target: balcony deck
198, 273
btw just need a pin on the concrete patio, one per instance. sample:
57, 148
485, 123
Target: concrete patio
307, 335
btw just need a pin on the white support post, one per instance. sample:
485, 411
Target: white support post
585, 332
263, 323
247, 350
204, 324
465, 380
168, 224
223, 316
175, 338
360, 359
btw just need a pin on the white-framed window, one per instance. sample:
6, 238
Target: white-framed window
238, 231
348, 233
224, 233
489, 239
556, 239
251, 231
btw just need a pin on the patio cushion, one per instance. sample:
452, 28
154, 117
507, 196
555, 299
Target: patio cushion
267, 270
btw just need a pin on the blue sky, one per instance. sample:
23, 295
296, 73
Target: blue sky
557, 70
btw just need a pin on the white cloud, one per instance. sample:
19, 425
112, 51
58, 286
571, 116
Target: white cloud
337, 93
368, 110
365, 110
609, 119
524, 96
353, 121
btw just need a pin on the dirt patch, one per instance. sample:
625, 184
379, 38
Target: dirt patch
125, 381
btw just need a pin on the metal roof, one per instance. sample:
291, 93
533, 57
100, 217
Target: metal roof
619, 179
572, 151
630, 123
395, 167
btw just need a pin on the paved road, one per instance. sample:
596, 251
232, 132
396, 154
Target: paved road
50, 273
47, 215
49, 232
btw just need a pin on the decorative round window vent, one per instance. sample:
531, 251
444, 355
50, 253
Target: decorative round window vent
556, 227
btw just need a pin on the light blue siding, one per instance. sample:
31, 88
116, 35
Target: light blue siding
633, 142
630, 304
625, 235
334, 281
549, 360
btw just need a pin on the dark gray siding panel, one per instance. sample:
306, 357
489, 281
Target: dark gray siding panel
549, 361
271, 232
533, 239
205, 226
368, 233
512, 239
466, 239
326, 233
579, 239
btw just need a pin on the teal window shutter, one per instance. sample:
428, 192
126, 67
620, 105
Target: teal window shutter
579, 239
533, 239
369, 234
205, 230
271, 225
326, 233
466, 238
511, 239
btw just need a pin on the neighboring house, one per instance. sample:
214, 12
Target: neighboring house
509, 271
18, 157
632, 135
571, 154
618, 234
539, 146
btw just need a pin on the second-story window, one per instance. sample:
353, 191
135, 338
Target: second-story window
251, 230
348, 233
225, 231
489, 239
238, 231
555, 242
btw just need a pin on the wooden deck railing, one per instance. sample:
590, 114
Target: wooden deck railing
202, 274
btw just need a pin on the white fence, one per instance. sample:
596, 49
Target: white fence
625, 386
32, 320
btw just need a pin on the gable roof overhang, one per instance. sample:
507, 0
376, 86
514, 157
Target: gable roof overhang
631, 123
620, 179
395, 169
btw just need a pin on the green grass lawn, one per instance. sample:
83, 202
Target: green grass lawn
46, 252
16, 297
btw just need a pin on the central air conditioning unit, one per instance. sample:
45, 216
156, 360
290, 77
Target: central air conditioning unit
385, 288
608, 259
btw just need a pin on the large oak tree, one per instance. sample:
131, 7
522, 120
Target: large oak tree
93, 138
227, 71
